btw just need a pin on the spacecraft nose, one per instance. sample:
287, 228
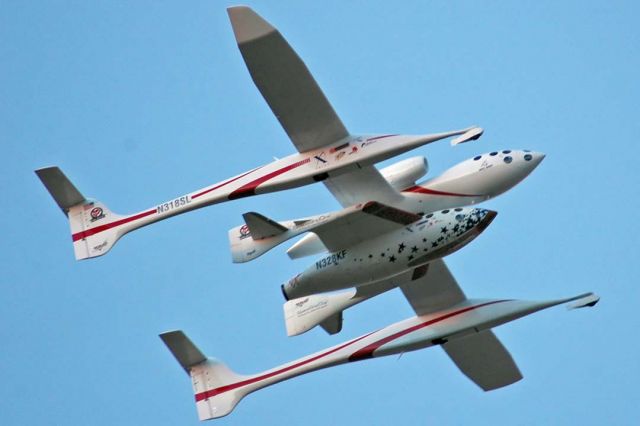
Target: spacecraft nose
533, 158
487, 218
476, 221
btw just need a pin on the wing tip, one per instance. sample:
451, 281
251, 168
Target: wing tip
587, 300
247, 24
471, 134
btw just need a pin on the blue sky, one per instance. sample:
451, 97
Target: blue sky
141, 102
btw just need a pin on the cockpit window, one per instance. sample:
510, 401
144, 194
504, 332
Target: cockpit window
493, 153
476, 158
508, 159
458, 209
506, 151
445, 211
528, 157
429, 215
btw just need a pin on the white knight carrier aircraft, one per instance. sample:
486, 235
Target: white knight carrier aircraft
327, 153
461, 326
392, 231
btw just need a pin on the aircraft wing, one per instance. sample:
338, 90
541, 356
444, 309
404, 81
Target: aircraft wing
483, 359
479, 356
362, 185
358, 226
335, 230
285, 82
435, 291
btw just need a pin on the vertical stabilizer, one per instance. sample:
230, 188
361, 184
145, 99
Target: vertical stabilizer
211, 378
94, 228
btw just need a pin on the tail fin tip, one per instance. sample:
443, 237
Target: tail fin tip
185, 352
262, 227
64, 193
257, 236
84, 215
209, 377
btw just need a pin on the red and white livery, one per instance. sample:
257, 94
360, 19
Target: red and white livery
327, 152
444, 317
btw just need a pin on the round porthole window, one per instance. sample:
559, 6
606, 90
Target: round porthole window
508, 159
528, 157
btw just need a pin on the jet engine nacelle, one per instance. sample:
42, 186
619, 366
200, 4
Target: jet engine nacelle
405, 173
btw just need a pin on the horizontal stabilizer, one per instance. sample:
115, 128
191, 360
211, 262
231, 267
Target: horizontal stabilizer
65, 194
262, 227
483, 359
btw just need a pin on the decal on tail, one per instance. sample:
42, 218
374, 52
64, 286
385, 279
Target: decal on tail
94, 228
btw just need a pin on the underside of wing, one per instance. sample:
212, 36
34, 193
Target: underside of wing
362, 185
436, 290
285, 82
357, 226
479, 356
335, 230
483, 359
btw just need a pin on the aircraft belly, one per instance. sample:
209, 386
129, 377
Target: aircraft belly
320, 164
470, 316
390, 254
439, 331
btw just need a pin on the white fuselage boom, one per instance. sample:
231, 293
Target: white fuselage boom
218, 390
95, 237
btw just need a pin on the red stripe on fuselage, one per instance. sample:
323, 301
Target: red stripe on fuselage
422, 190
89, 232
363, 353
379, 137
249, 189
84, 234
367, 351
206, 191
211, 393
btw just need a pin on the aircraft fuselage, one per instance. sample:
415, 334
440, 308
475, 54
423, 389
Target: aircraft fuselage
434, 236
